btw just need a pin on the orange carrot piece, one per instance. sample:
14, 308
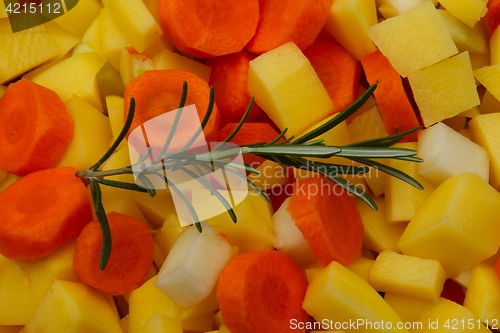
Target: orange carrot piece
337, 69
41, 212
397, 113
209, 28
298, 21
249, 133
229, 78
328, 218
159, 91
492, 17
132, 250
35, 130
262, 291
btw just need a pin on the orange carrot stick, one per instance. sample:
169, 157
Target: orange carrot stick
492, 17
41, 212
209, 28
262, 291
229, 78
328, 218
249, 133
159, 91
298, 21
337, 69
132, 250
35, 129
397, 113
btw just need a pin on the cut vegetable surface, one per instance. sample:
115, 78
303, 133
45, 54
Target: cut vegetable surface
262, 291
41, 212
130, 260
35, 129
209, 28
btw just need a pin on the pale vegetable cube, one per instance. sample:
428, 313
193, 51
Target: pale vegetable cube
161, 323
408, 276
465, 38
451, 80
379, 235
402, 200
166, 59
446, 316
289, 239
483, 294
74, 307
457, 225
409, 309
23, 50
340, 295
463, 278
91, 138
135, 22
193, 265
82, 81
485, 133
113, 41
467, 11
78, 18
447, 153
348, 23
429, 43
147, 300
287, 88
390, 8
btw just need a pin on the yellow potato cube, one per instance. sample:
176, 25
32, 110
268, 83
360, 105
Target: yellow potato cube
362, 267
409, 309
446, 316
161, 323
348, 23
24, 50
92, 36
74, 307
287, 88
147, 300
429, 43
271, 175
451, 80
467, 11
408, 276
113, 41
91, 138
78, 19
166, 59
115, 105
457, 225
488, 77
495, 47
379, 235
167, 234
483, 294
82, 81
340, 295
402, 200
484, 130
62, 38
474, 40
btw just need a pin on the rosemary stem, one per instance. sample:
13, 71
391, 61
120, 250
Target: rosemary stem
103, 173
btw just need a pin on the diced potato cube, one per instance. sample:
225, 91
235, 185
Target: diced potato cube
287, 88
409, 309
467, 11
484, 130
74, 307
429, 44
362, 267
113, 41
489, 76
166, 59
408, 276
62, 38
447, 153
474, 40
168, 233
457, 225
78, 18
483, 294
348, 23
451, 80
92, 36
398, 6
161, 323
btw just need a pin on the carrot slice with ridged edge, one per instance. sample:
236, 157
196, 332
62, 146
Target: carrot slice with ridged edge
262, 291
132, 251
209, 28
35, 130
41, 212
328, 218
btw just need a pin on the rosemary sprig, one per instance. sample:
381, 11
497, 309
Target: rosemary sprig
292, 152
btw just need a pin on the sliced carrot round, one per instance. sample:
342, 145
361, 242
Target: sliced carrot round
209, 28
41, 212
262, 291
132, 251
